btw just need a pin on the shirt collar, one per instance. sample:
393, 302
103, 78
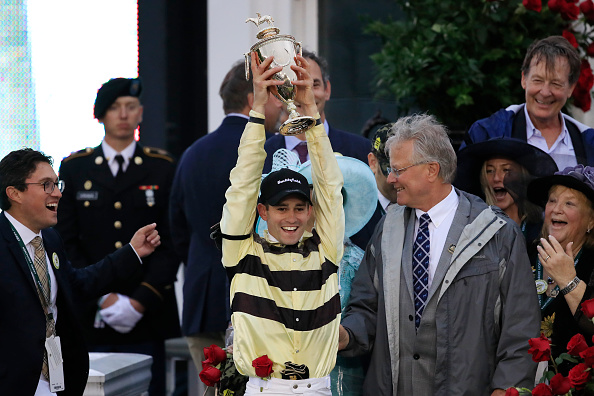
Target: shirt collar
531, 129
109, 152
383, 200
25, 233
439, 212
237, 115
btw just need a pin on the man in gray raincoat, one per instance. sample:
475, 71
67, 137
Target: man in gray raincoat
444, 299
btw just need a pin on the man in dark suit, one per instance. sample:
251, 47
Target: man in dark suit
37, 291
342, 142
111, 190
197, 199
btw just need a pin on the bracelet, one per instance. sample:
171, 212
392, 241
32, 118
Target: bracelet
571, 286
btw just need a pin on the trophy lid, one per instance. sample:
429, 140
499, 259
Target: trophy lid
267, 31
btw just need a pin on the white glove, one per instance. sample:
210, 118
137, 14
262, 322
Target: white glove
121, 315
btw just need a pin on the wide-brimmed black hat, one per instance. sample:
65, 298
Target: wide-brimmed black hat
471, 159
578, 177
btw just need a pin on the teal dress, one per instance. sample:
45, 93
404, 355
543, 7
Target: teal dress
348, 374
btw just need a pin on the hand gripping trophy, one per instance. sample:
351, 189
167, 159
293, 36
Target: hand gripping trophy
284, 49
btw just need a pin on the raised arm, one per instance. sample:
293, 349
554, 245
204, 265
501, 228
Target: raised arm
326, 175
242, 197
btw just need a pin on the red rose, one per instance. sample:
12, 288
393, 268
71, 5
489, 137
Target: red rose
590, 50
578, 376
560, 384
214, 355
587, 6
512, 392
581, 99
588, 356
570, 37
210, 375
263, 366
586, 79
569, 11
555, 5
588, 308
541, 348
542, 390
576, 345
533, 5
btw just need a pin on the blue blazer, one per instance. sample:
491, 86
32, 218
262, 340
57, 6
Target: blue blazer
342, 142
196, 204
22, 329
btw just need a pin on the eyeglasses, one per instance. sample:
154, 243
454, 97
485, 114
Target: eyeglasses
50, 186
398, 172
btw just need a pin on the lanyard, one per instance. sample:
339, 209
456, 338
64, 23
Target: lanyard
539, 276
45, 300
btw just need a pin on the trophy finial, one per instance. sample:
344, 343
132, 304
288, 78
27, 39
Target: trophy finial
266, 31
261, 19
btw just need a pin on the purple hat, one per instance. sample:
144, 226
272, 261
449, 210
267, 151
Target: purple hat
579, 178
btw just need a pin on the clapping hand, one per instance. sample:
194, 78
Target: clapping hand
556, 261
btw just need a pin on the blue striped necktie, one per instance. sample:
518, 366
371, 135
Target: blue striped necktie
421, 267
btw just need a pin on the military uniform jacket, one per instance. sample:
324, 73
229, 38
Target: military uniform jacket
96, 216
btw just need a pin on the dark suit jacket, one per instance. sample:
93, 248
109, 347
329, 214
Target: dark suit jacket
342, 142
22, 328
196, 204
98, 214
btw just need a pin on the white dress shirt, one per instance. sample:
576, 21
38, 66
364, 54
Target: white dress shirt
292, 141
383, 201
27, 236
561, 151
110, 153
442, 216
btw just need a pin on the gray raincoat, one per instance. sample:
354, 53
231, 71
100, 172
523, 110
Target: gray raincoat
484, 306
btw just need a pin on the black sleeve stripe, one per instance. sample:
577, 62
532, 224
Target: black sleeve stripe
292, 319
257, 120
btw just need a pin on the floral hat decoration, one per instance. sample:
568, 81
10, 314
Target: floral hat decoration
580, 178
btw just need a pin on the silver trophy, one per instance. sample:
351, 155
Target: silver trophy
284, 49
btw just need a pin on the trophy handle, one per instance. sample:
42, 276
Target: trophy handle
247, 65
299, 48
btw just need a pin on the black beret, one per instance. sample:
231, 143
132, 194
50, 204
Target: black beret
113, 89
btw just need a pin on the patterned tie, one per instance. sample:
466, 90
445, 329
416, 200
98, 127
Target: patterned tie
120, 160
44, 295
301, 149
421, 267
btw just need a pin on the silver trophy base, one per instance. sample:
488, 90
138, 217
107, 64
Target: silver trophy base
297, 125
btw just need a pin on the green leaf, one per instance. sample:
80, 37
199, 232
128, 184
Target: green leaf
568, 357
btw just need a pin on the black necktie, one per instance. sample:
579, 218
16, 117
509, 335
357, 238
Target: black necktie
120, 160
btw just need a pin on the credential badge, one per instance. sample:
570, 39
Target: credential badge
56, 260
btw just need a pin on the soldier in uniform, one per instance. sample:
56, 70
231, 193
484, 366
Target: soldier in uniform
111, 190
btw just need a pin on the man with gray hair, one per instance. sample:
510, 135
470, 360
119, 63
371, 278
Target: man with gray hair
443, 299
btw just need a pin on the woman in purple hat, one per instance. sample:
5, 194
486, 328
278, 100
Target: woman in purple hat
563, 258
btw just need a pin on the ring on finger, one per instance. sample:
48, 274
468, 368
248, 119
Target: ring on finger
547, 258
